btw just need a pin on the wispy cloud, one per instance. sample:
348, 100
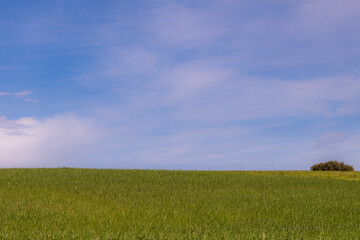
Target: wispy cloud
332, 137
24, 95
250, 98
191, 78
172, 23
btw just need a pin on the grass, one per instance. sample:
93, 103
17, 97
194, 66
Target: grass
144, 204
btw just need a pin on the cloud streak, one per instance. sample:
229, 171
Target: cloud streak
21, 95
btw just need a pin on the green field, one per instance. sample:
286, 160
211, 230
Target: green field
145, 204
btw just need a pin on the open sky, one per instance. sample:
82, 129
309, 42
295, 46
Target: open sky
190, 84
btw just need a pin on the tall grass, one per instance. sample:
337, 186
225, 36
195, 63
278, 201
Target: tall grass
144, 204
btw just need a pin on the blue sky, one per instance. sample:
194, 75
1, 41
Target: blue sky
248, 85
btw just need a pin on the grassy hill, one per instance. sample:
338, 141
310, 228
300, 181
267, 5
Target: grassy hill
145, 204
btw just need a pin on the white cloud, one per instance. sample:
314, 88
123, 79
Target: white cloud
52, 142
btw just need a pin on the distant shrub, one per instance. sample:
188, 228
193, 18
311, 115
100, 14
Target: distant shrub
332, 166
